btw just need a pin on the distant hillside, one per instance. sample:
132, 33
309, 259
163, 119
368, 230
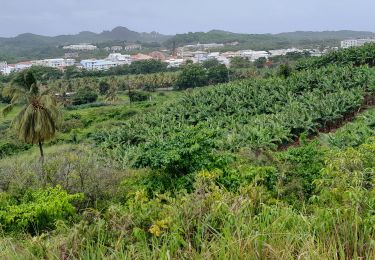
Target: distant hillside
268, 41
31, 46
117, 34
325, 35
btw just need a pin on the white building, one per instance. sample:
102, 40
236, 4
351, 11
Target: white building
119, 58
223, 60
355, 42
116, 48
132, 47
254, 55
55, 63
81, 47
174, 63
3, 67
98, 64
283, 52
205, 46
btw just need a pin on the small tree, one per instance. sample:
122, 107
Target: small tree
210, 63
84, 96
284, 70
37, 120
260, 63
192, 75
239, 62
218, 74
103, 87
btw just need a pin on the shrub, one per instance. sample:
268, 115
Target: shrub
192, 75
300, 167
187, 151
138, 96
218, 74
103, 87
84, 96
285, 70
37, 210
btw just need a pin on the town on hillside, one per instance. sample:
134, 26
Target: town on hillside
197, 53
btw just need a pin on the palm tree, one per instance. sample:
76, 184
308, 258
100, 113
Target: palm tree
37, 121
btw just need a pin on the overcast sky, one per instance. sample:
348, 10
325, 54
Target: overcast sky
54, 17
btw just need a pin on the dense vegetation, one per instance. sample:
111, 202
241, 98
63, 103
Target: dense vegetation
279, 166
351, 56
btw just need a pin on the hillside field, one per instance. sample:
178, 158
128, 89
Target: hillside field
276, 166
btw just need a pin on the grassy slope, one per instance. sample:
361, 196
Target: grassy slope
82, 121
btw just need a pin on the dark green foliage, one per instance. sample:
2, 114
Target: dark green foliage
103, 87
218, 74
260, 63
84, 96
210, 63
25, 79
191, 76
352, 134
138, 96
10, 147
352, 56
3, 97
240, 62
187, 151
300, 167
285, 70
147, 66
37, 210
234, 179
258, 114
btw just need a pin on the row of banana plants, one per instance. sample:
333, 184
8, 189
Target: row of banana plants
258, 114
356, 56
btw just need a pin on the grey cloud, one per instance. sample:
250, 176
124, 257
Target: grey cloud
52, 17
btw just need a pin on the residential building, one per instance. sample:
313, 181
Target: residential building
22, 65
132, 47
231, 54
98, 64
283, 52
174, 63
355, 42
157, 55
116, 48
141, 56
223, 60
71, 55
119, 58
205, 46
81, 47
3, 67
254, 55
55, 63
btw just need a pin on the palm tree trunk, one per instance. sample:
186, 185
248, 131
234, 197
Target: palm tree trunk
42, 163
41, 151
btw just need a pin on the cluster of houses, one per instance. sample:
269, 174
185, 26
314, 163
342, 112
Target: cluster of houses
356, 42
53, 63
196, 53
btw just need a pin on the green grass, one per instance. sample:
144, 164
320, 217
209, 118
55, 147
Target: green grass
82, 121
